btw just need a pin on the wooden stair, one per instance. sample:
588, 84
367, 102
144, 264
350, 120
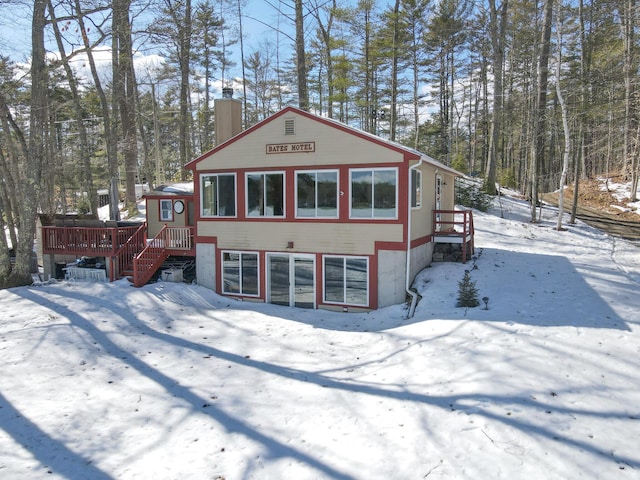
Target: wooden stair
162, 246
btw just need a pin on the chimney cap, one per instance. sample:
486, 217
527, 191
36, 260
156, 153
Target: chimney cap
227, 92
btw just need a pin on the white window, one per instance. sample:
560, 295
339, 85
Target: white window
265, 194
218, 195
346, 280
317, 194
166, 210
374, 193
416, 188
240, 273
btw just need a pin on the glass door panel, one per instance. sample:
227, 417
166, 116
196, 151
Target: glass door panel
291, 280
304, 288
279, 284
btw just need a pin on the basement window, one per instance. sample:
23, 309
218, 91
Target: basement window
346, 280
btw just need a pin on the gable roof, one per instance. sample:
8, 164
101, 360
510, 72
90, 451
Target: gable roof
334, 124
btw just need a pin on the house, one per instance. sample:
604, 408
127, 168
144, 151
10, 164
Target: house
298, 210
305, 211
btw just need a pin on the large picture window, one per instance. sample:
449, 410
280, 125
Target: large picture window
317, 194
265, 195
374, 193
346, 280
240, 273
218, 195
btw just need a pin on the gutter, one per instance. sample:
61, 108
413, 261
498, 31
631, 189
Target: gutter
411, 293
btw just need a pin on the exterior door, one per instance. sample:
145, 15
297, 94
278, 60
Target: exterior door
291, 280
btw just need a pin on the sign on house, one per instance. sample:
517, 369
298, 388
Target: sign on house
301, 147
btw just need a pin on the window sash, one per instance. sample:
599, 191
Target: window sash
240, 273
218, 195
317, 194
265, 194
346, 280
374, 193
416, 188
166, 210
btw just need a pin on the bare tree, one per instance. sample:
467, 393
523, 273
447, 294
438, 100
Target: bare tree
497, 29
109, 129
565, 124
173, 28
28, 161
85, 157
124, 93
301, 60
540, 106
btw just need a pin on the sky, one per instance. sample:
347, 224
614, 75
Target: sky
260, 22
171, 381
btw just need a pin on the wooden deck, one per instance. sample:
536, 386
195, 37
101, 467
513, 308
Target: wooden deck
126, 250
455, 226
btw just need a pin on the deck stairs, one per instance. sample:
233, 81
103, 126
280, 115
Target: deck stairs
128, 252
454, 235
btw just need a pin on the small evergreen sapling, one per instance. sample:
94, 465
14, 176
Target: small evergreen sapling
467, 292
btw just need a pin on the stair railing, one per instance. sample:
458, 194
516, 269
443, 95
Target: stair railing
122, 260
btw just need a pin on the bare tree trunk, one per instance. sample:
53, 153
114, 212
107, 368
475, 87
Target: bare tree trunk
303, 93
565, 127
124, 94
10, 177
583, 101
109, 130
34, 158
85, 158
628, 29
539, 120
394, 72
244, 84
185, 62
497, 27
633, 194
325, 32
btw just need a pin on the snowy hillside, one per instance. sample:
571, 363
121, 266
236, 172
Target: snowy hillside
171, 381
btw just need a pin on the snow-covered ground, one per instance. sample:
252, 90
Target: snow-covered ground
171, 381
620, 192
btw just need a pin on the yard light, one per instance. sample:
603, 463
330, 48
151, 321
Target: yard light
486, 302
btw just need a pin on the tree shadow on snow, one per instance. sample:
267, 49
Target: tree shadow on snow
275, 449
529, 289
47, 449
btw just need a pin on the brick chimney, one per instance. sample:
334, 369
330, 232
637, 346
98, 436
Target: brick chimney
227, 116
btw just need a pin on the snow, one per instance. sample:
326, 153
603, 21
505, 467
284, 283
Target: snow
171, 381
621, 192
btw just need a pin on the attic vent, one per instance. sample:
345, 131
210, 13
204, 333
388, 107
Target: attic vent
289, 126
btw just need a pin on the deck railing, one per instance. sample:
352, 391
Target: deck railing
89, 241
125, 248
158, 249
122, 261
454, 226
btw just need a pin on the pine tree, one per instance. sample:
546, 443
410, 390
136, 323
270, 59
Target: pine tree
467, 292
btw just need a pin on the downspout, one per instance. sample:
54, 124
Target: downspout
411, 293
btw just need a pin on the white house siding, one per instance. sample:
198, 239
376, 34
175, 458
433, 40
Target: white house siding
328, 145
337, 238
206, 265
332, 147
391, 277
